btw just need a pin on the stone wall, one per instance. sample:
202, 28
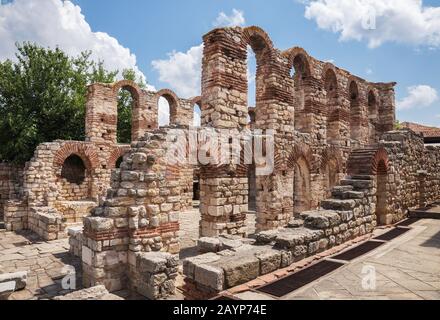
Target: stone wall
42, 184
11, 178
414, 179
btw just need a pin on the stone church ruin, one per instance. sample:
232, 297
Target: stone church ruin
339, 171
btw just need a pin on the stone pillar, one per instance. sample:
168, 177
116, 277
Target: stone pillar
140, 214
387, 108
224, 196
101, 113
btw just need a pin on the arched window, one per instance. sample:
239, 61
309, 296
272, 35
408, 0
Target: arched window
119, 162
372, 104
128, 100
74, 170
163, 112
167, 105
197, 115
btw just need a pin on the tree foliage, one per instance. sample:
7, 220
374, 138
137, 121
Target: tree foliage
43, 97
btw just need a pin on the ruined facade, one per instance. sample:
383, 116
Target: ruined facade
64, 180
339, 170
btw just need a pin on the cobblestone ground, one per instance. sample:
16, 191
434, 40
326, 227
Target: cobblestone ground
46, 262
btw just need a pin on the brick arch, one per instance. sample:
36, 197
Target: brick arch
128, 85
299, 151
173, 102
116, 153
368, 161
329, 154
293, 53
258, 39
380, 162
87, 153
136, 93
372, 94
353, 87
196, 100
329, 70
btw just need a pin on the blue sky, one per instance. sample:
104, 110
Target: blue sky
408, 53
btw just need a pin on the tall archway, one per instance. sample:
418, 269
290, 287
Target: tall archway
300, 72
381, 195
128, 96
332, 104
167, 105
301, 187
258, 55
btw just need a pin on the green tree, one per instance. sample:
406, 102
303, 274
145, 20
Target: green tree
125, 106
42, 98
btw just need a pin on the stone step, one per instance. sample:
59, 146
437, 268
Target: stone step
338, 204
361, 177
358, 185
342, 188
295, 223
320, 219
344, 195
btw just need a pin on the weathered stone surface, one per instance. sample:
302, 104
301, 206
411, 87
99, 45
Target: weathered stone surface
239, 271
210, 276
269, 261
94, 293
18, 278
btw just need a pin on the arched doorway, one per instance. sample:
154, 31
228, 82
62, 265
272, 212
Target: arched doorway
381, 195
355, 112
331, 176
128, 105
301, 187
75, 179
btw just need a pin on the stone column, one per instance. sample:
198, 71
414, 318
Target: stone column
140, 214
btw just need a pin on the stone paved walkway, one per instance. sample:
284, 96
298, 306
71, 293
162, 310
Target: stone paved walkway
46, 263
406, 268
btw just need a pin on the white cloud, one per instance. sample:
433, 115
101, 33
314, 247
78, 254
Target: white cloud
182, 71
378, 21
418, 97
235, 19
52, 23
